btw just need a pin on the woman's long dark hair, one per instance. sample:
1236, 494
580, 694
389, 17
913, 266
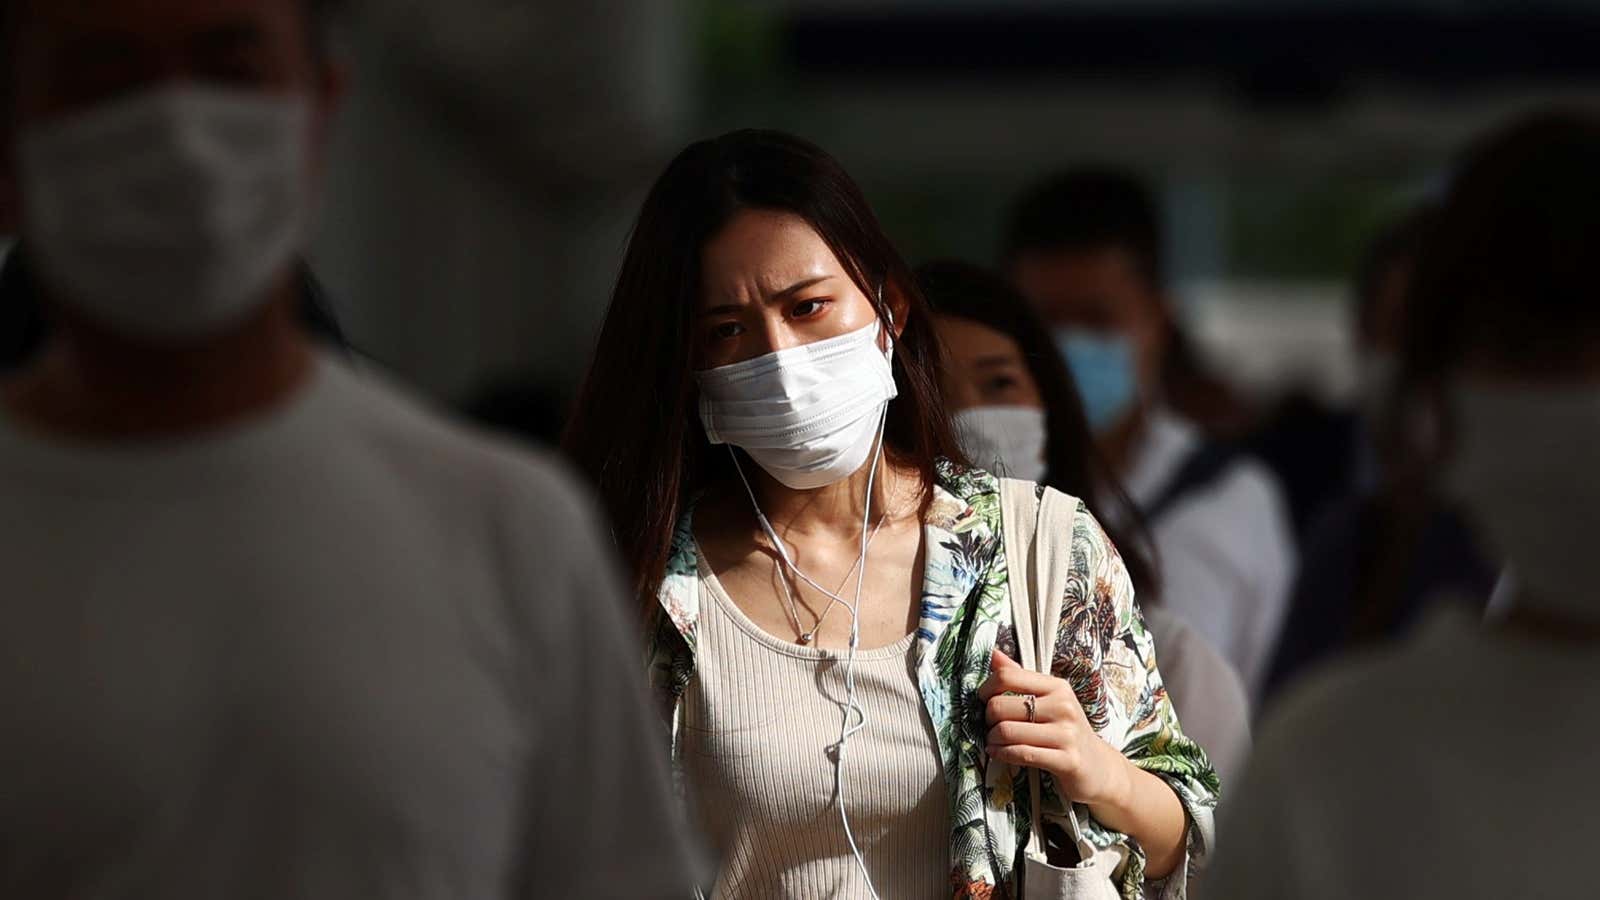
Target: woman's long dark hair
635, 431
1072, 464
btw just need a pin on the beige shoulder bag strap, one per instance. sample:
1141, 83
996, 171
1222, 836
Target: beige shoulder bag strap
1037, 570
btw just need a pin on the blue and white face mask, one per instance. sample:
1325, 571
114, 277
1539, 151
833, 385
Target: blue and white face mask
1103, 366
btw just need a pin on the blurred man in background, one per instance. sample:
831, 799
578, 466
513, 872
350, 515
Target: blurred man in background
1322, 453
272, 630
1385, 549
1085, 248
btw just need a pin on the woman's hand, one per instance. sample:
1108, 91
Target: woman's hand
1086, 769
1058, 739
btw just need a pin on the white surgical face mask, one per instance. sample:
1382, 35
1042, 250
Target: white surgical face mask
809, 415
1525, 468
1007, 440
167, 215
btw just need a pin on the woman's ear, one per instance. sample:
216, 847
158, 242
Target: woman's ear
898, 309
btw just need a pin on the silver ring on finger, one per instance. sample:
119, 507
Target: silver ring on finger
1032, 703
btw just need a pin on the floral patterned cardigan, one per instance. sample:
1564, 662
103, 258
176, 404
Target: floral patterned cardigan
1103, 650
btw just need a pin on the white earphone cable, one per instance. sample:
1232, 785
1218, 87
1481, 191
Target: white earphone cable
851, 704
847, 730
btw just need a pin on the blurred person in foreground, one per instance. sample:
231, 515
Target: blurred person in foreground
1383, 553
1460, 765
1085, 248
272, 629
24, 319
1017, 413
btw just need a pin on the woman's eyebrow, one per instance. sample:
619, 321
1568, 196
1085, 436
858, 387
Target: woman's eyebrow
994, 361
798, 286
729, 308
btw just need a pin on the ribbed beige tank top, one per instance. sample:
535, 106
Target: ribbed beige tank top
759, 723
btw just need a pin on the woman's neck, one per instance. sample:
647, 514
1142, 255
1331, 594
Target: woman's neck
836, 511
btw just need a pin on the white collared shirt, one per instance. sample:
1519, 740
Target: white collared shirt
1225, 550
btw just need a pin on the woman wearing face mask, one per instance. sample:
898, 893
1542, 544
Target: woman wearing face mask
1477, 740
1017, 412
824, 581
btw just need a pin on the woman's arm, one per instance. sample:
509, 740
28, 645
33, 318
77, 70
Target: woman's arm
1103, 728
1059, 739
1148, 811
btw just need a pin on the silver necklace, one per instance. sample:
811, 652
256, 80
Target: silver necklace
806, 637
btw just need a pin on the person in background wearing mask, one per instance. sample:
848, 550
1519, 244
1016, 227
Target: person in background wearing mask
1085, 248
1017, 413
1383, 554
271, 629
1476, 741
823, 581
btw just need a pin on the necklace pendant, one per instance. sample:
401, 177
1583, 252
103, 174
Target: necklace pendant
804, 639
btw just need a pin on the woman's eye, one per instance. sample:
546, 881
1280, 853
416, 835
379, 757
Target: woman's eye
723, 331
1000, 384
807, 308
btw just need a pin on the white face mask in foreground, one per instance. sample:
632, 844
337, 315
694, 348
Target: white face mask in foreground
808, 415
167, 215
1006, 440
1525, 469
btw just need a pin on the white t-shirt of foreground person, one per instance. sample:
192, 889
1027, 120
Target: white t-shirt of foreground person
343, 650
1454, 767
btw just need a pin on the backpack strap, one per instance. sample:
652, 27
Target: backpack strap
1203, 466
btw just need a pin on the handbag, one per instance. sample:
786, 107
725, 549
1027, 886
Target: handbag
1037, 534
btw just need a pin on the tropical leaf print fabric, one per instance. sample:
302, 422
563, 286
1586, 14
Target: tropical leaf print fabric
1102, 649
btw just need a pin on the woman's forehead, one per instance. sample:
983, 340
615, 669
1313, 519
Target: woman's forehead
767, 251
971, 340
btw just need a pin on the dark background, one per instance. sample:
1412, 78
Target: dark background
493, 152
